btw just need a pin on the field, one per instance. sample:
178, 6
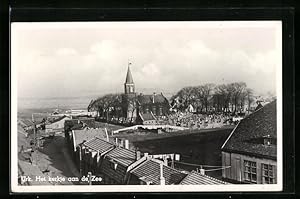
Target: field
202, 148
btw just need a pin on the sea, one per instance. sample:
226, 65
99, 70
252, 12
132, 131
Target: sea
27, 106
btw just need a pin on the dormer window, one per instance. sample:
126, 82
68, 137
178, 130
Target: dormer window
269, 140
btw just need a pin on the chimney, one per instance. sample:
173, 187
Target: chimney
116, 141
126, 144
138, 155
153, 97
166, 161
122, 143
146, 155
202, 171
162, 180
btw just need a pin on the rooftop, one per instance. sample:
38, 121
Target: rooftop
88, 134
147, 99
149, 171
195, 178
244, 138
98, 144
147, 116
123, 156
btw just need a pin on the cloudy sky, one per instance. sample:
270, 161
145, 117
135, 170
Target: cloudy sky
82, 59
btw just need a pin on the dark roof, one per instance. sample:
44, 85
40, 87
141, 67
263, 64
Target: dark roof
129, 79
26, 122
74, 124
259, 124
147, 116
195, 178
98, 144
148, 99
53, 120
149, 171
123, 156
88, 134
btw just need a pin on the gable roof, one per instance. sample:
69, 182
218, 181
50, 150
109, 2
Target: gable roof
149, 171
98, 144
195, 178
148, 99
147, 116
123, 156
256, 126
87, 134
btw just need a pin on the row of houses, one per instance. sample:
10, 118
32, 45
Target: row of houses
117, 164
249, 155
114, 161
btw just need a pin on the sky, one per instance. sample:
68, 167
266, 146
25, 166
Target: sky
90, 58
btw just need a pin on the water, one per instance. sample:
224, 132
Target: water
48, 103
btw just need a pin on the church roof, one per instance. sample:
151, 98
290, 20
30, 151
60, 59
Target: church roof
129, 79
149, 99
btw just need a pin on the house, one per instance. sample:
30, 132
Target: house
116, 165
26, 124
79, 136
56, 125
249, 153
196, 178
90, 154
155, 172
146, 118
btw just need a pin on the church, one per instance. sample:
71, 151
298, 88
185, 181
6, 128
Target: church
140, 108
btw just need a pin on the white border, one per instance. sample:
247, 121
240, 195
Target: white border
144, 188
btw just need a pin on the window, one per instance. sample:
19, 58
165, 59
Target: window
250, 171
160, 110
154, 110
268, 176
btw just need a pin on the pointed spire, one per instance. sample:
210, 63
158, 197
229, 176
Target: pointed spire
129, 79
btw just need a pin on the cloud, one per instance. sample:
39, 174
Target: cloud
96, 59
66, 52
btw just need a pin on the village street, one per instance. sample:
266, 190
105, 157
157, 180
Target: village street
53, 160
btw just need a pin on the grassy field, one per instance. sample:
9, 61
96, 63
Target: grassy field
202, 148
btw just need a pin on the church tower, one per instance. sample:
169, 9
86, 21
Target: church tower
129, 97
129, 84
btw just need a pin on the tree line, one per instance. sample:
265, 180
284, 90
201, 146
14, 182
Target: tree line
229, 97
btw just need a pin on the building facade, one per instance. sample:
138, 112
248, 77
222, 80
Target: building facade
249, 153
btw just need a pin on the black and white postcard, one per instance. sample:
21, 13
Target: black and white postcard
167, 106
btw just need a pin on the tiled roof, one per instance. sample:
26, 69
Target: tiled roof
98, 144
147, 99
26, 122
123, 156
250, 130
88, 134
147, 116
195, 178
149, 171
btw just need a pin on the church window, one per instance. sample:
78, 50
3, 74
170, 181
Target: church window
154, 110
160, 110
